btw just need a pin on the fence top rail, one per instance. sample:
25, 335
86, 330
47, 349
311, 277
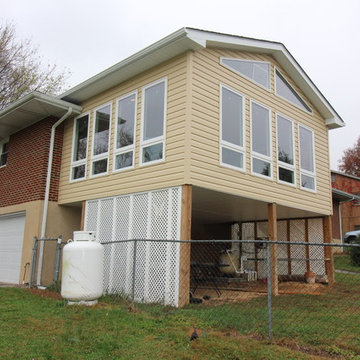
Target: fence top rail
270, 242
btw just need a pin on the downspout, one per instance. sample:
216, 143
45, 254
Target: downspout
47, 191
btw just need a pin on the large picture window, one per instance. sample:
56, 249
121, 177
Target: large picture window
152, 147
307, 162
232, 150
261, 140
125, 132
285, 150
80, 146
100, 146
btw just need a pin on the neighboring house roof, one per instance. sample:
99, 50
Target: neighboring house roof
194, 39
346, 175
342, 196
32, 108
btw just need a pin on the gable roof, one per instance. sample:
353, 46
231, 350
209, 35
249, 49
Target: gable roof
187, 39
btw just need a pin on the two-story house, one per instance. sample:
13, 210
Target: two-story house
182, 140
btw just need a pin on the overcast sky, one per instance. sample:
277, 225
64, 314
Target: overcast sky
89, 36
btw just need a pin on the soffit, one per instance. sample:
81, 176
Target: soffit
31, 109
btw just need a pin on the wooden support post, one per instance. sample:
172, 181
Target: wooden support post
272, 229
328, 251
185, 249
82, 221
307, 248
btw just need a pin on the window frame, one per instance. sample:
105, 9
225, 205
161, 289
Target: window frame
105, 155
303, 171
225, 144
297, 94
128, 148
247, 77
76, 163
159, 139
2, 143
255, 154
281, 163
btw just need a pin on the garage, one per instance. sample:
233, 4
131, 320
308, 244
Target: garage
11, 241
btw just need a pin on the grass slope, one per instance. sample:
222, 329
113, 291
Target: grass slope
33, 327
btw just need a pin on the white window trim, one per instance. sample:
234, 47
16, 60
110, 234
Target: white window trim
226, 144
104, 155
2, 142
257, 155
303, 171
128, 148
82, 161
280, 163
288, 101
159, 139
246, 77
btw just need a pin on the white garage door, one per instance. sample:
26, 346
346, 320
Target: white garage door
11, 241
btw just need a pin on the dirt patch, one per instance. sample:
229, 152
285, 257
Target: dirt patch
45, 293
286, 343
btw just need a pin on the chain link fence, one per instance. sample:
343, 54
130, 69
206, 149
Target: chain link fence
45, 267
232, 286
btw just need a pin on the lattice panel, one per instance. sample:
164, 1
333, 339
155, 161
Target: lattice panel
149, 273
316, 235
248, 249
298, 252
282, 250
262, 232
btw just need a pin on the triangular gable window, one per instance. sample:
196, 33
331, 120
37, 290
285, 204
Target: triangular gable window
256, 71
286, 91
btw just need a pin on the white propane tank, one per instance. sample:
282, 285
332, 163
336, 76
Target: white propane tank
82, 269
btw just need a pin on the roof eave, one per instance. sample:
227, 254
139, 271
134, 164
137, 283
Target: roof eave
187, 39
30, 109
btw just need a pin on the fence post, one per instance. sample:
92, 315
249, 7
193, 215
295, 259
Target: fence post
269, 292
134, 271
57, 260
33, 262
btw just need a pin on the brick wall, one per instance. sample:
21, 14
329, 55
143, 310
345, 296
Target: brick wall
23, 178
350, 211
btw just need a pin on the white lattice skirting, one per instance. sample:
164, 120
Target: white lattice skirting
151, 272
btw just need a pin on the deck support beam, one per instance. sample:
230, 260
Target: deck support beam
272, 230
328, 251
185, 249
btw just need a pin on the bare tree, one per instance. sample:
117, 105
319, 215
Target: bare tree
21, 69
350, 161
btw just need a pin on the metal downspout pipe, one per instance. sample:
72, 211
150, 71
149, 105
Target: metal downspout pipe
47, 191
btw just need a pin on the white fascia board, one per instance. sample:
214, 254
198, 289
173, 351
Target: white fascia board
187, 39
35, 95
165, 49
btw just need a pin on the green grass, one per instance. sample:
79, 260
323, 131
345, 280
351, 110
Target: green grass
343, 262
34, 327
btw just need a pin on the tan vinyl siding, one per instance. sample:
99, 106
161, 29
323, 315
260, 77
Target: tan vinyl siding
141, 178
206, 171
